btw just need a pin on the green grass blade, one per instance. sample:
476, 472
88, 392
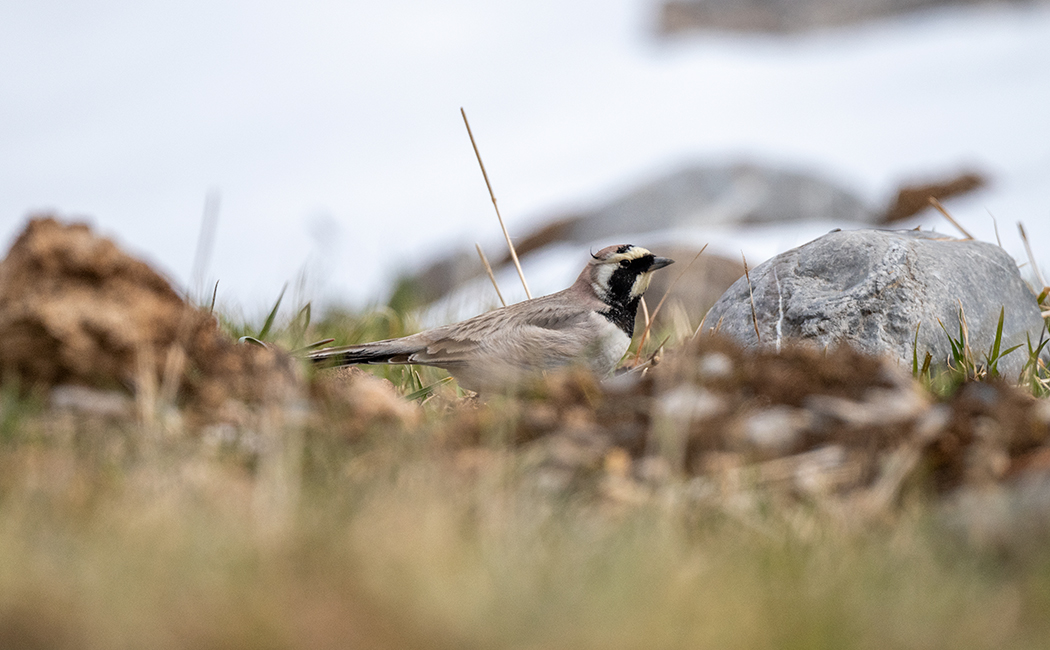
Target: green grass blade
427, 391
956, 345
214, 293
273, 314
1009, 350
992, 358
998, 333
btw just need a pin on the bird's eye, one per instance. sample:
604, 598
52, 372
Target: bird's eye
624, 263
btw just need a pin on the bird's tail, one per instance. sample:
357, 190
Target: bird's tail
393, 351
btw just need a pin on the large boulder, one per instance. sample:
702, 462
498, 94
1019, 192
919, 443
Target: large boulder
875, 289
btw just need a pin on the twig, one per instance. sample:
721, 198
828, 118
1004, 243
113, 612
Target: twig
506, 235
940, 208
488, 269
1031, 258
648, 325
995, 225
751, 293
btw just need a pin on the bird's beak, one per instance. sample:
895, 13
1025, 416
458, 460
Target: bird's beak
660, 262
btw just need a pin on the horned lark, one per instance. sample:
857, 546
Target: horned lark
590, 323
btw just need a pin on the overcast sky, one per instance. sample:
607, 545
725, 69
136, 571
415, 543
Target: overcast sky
331, 130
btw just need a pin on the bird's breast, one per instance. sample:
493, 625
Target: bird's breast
609, 346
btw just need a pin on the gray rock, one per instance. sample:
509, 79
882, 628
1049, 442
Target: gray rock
678, 16
696, 197
873, 289
705, 196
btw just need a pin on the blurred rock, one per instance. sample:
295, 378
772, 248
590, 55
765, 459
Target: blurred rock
695, 197
680, 16
81, 399
874, 290
705, 196
773, 430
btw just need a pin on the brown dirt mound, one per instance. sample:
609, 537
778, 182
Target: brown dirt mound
828, 421
75, 309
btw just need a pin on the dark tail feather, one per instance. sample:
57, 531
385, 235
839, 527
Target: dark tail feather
380, 352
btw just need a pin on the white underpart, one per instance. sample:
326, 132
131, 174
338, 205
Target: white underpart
612, 344
780, 304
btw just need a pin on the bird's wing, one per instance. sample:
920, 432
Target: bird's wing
537, 333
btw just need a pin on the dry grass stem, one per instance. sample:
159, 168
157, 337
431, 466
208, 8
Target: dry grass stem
751, 294
659, 305
492, 195
488, 270
1031, 257
206, 239
648, 324
940, 208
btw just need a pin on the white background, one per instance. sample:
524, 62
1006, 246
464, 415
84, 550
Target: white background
331, 130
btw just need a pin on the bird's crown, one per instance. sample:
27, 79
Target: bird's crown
622, 253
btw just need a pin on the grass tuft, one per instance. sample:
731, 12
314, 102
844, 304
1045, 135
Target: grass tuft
507, 524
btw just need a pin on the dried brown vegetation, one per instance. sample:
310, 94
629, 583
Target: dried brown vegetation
162, 485
913, 199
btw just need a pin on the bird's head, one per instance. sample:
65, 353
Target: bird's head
620, 274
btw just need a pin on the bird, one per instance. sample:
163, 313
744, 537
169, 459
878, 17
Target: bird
590, 323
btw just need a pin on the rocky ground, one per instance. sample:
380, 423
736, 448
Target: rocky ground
161, 482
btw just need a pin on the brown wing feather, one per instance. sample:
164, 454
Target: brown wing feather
539, 333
